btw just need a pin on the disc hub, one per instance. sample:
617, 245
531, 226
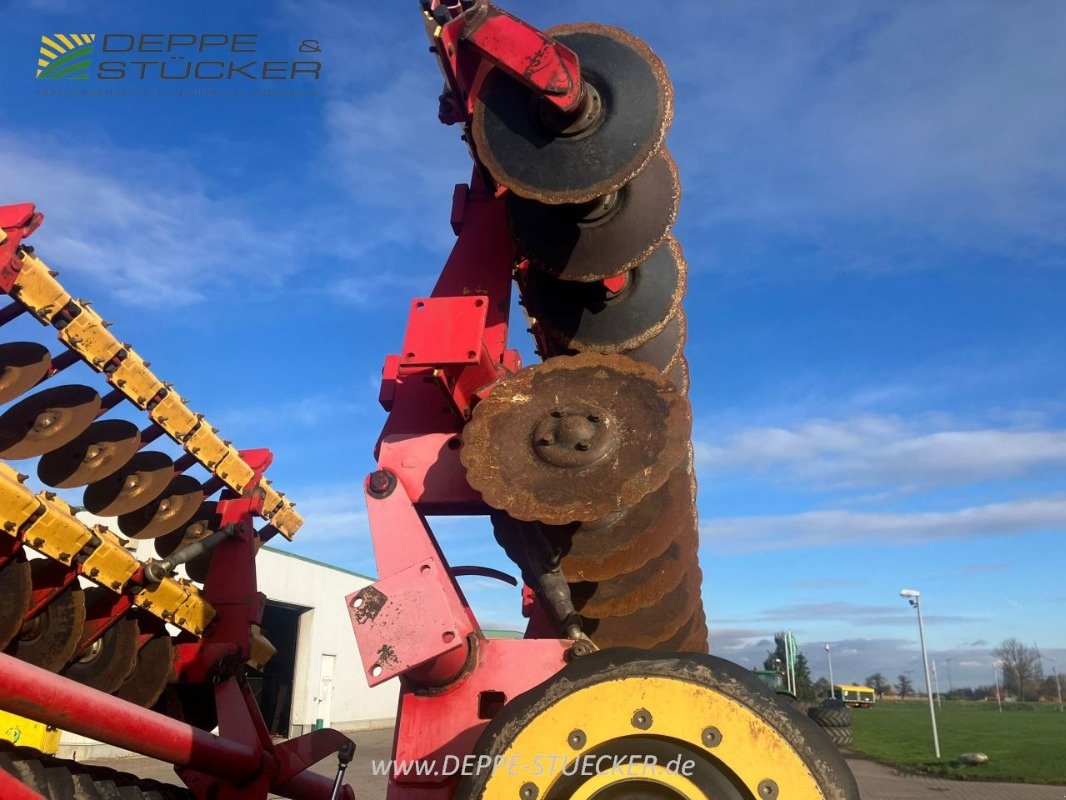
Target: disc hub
574, 436
583, 120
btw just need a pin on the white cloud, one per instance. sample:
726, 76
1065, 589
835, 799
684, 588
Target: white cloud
878, 451
145, 225
836, 527
301, 411
868, 131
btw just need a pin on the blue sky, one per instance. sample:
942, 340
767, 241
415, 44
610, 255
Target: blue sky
873, 208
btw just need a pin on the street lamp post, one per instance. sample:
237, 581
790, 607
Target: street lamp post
1055, 672
913, 596
832, 683
951, 689
936, 682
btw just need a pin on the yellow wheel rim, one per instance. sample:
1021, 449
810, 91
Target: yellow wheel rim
702, 724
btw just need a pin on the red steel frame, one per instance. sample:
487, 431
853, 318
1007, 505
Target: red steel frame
414, 623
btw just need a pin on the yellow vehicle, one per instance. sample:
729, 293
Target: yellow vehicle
854, 696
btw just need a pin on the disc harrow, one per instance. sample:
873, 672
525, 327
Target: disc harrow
591, 196
82, 604
583, 463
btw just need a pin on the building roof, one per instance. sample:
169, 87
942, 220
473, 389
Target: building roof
287, 554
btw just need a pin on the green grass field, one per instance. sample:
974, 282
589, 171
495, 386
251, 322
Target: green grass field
1024, 743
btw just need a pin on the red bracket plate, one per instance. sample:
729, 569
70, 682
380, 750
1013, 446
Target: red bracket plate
403, 620
445, 330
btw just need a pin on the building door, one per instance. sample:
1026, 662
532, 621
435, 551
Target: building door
274, 686
325, 691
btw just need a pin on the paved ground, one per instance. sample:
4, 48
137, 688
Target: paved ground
876, 782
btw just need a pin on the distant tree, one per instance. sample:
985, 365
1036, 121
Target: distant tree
905, 686
879, 683
1020, 667
1051, 686
775, 660
821, 688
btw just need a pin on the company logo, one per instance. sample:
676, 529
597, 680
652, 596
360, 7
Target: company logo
65, 55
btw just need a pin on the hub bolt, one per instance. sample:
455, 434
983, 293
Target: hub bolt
767, 790
712, 737
642, 719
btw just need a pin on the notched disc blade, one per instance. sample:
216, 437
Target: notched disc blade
664, 350
588, 316
135, 485
176, 506
152, 672
610, 235
690, 638
204, 522
16, 587
645, 586
575, 438
101, 450
518, 144
620, 543
679, 376
653, 624
107, 662
22, 366
47, 420
49, 639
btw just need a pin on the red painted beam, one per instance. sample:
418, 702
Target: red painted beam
40, 695
11, 788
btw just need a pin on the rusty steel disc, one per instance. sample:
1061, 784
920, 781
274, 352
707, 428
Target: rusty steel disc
140, 481
603, 238
690, 638
153, 670
47, 420
16, 588
106, 663
177, 504
620, 543
203, 523
50, 638
645, 586
646, 627
592, 316
575, 438
22, 366
679, 376
664, 350
101, 450
626, 109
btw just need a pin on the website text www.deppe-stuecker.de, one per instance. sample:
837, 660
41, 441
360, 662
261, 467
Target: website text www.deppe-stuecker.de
539, 766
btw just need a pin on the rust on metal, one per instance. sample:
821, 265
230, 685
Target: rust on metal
605, 237
532, 161
646, 426
368, 605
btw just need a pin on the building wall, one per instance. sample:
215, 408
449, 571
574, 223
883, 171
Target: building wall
325, 630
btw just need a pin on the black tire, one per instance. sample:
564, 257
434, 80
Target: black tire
841, 737
828, 767
830, 717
